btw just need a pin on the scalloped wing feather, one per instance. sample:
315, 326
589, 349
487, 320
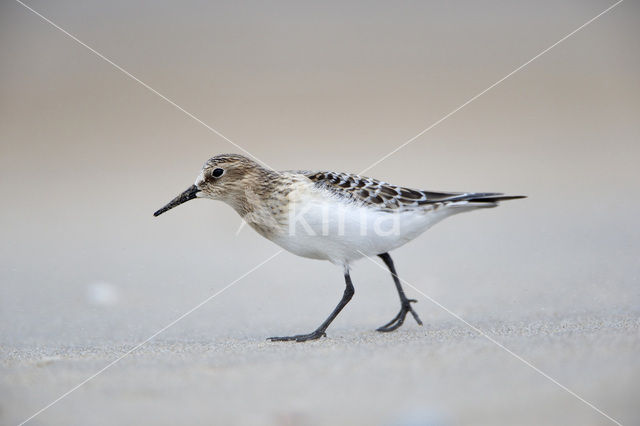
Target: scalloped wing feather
385, 196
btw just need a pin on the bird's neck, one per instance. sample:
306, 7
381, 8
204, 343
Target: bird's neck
254, 193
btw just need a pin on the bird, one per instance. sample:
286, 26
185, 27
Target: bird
339, 217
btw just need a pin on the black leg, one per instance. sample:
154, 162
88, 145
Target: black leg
405, 304
320, 331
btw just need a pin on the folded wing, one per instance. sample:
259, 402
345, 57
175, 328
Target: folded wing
384, 196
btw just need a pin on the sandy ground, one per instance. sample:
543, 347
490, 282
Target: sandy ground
442, 374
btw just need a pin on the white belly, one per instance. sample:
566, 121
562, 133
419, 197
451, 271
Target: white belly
325, 228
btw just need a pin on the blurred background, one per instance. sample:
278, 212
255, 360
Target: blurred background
87, 155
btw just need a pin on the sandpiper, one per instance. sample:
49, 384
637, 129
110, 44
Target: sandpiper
339, 217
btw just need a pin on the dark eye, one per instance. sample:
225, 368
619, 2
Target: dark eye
217, 172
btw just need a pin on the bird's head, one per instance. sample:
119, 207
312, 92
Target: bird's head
225, 177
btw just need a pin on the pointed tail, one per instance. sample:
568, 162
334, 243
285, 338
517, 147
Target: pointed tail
489, 197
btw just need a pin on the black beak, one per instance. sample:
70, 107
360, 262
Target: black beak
187, 195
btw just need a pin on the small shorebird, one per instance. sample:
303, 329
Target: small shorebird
338, 217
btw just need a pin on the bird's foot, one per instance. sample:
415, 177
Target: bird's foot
395, 323
300, 337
